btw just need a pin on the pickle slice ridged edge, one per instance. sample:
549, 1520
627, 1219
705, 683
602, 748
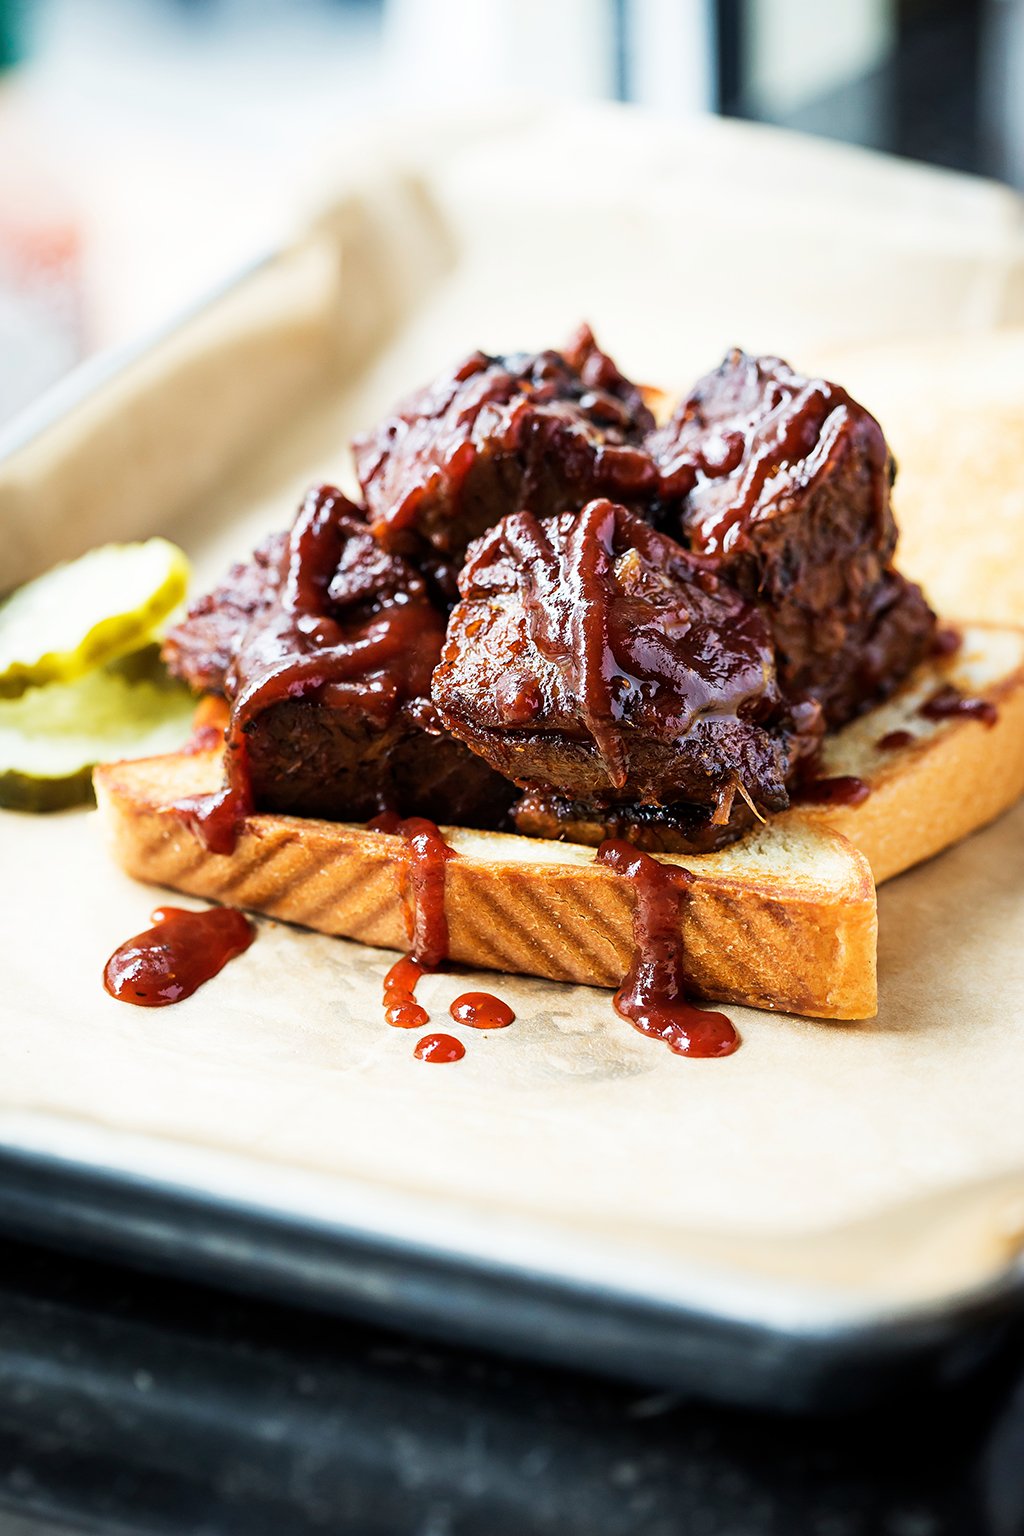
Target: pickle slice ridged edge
105, 639
52, 737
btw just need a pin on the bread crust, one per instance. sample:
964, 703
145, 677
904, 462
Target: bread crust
957, 776
785, 920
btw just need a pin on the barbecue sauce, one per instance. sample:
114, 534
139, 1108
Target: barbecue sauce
949, 703
441, 1048
481, 1010
624, 635
173, 958
893, 741
946, 641
428, 856
844, 789
346, 619
400, 1006
652, 994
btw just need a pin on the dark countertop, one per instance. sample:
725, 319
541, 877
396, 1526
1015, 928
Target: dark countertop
130, 1403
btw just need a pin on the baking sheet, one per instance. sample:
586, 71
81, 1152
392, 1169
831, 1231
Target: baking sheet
825, 1170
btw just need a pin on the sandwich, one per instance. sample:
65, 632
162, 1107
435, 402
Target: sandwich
584, 688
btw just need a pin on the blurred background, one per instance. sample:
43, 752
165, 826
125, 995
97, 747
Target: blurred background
149, 148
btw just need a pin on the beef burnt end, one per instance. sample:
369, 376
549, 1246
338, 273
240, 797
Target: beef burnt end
545, 432
594, 659
329, 677
785, 483
201, 648
678, 828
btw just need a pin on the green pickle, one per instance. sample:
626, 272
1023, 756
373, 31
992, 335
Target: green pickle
87, 612
52, 737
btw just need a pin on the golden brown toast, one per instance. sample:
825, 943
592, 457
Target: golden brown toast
786, 919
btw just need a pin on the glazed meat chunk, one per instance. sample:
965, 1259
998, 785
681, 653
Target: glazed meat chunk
201, 649
599, 665
544, 432
324, 645
784, 482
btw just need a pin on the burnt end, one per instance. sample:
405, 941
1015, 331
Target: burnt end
339, 764
201, 648
651, 627
592, 656
546, 432
324, 645
679, 828
784, 483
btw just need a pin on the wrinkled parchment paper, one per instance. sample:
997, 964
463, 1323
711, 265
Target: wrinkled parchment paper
880, 1164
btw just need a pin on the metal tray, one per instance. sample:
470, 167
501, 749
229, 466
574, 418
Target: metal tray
322, 318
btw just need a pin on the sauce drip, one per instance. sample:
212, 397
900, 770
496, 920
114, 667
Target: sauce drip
400, 1006
626, 636
481, 1011
439, 1048
844, 789
567, 611
651, 996
174, 957
345, 620
949, 702
946, 641
428, 858
894, 740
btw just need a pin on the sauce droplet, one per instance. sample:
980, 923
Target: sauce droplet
844, 789
949, 702
481, 1011
400, 1006
651, 996
174, 957
439, 1048
893, 741
946, 641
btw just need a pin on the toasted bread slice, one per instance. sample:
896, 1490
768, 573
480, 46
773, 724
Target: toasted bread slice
955, 776
785, 919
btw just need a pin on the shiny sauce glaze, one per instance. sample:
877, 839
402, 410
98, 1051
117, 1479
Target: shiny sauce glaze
949, 704
544, 430
946, 641
630, 639
481, 1010
441, 1048
427, 864
400, 1006
894, 741
346, 619
425, 918
652, 995
173, 958
843, 789
753, 433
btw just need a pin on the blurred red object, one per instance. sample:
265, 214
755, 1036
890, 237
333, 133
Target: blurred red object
42, 330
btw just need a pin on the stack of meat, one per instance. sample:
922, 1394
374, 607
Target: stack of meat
553, 614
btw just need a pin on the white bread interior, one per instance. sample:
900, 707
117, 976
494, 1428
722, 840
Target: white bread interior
958, 775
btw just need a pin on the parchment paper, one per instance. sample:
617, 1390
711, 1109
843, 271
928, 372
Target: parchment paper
881, 1160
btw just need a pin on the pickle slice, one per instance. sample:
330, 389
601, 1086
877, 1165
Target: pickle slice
51, 738
88, 611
